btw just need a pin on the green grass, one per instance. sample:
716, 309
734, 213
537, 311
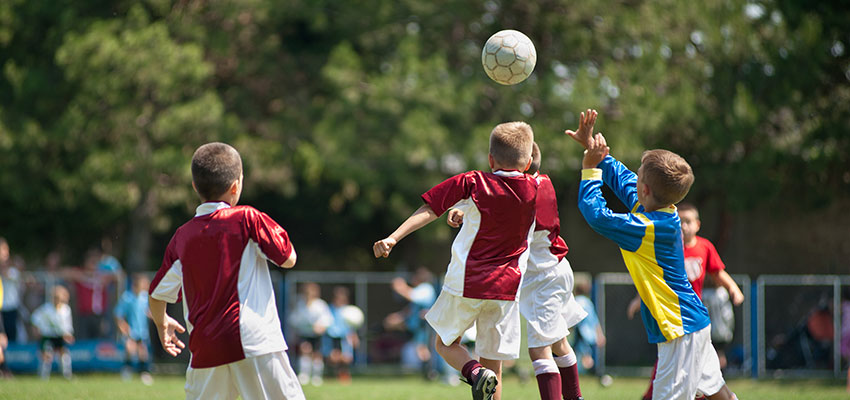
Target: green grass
95, 387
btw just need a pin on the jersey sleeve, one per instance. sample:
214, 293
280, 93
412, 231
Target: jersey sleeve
713, 263
621, 180
626, 230
446, 194
167, 284
270, 236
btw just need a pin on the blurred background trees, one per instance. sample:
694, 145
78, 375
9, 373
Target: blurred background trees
345, 112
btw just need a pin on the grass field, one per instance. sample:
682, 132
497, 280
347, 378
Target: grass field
95, 387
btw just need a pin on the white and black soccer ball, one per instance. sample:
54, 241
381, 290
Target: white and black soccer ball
508, 57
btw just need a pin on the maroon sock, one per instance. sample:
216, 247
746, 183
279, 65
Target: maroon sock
569, 382
550, 386
470, 369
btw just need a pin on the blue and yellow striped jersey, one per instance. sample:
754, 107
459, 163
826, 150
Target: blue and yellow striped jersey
652, 248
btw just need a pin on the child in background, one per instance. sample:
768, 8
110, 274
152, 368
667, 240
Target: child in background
311, 319
589, 335
650, 239
217, 262
340, 339
489, 255
131, 317
546, 299
53, 323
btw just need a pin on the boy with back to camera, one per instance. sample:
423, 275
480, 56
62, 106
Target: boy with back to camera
217, 263
546, 301
650, 239
701, 261
489, 255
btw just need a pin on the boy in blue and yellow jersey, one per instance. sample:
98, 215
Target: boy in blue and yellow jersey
650, 239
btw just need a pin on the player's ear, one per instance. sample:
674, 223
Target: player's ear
234, 187
527, 166
492, 162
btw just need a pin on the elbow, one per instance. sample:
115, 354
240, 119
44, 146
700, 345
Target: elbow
290, 262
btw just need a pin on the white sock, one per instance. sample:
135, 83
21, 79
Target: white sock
66, 364
318, 367
566, 361
544, 366
44, 368
304, 365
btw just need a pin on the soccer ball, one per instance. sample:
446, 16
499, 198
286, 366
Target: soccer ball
508, 57
352, 316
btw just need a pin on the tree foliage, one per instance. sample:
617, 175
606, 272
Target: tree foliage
345, 112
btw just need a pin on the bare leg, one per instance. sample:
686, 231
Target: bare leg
454, 354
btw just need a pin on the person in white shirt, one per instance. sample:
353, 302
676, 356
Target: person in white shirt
53, 323
311, 319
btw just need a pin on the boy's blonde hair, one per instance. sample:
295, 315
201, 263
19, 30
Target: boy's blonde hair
667, 174
510, 144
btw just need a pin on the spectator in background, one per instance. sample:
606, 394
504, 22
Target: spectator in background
311, 319
92, 299
588, 333
340, 339
421, 295
131, 317
11, 277
53, 323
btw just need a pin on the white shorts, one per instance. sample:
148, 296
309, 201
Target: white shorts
498, 336
546, 301
687, 366
268, 376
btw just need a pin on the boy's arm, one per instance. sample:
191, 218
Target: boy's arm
421, 217
585, 128
272, 239
167, 327
725, 280
626, 230
621, 180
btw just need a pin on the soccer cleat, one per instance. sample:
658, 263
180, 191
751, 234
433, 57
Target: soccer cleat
484, 384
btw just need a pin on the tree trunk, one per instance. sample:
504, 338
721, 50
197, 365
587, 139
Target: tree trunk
140, 234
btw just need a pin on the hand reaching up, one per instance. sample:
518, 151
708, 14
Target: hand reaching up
585, 128
597, 150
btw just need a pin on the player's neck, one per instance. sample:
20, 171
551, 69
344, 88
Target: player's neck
691, 242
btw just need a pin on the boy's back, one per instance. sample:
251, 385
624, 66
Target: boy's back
217, 262
490, 250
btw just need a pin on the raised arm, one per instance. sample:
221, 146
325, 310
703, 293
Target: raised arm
421, 217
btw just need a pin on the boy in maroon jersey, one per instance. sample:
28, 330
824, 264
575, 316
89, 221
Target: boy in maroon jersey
217, 263
488, 257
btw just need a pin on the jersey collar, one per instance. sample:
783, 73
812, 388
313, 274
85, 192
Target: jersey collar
210, 207
507, 172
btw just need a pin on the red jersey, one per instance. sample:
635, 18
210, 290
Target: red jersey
217, 263
490, 252
701, 259
547, 248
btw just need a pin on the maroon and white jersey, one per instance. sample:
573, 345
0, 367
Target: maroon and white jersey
547, 247
490, 252
217, 263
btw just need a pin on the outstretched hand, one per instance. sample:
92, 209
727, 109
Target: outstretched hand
585, 128
597, 150
168, 336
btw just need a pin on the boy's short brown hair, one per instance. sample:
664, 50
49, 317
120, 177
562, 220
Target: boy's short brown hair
687, 207
510, 144
215, 166
535, 159
667, 174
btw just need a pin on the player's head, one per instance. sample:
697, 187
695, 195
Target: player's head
91, 260
510, 145
217, 172
689, 215
141, 283
60, 295
310, 291
421, 275
535, 160
341, 296
664, 178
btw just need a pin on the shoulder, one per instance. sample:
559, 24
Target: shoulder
705, 243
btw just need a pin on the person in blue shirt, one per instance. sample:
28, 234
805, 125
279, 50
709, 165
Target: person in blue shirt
650, 240
340, 338
131, 317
